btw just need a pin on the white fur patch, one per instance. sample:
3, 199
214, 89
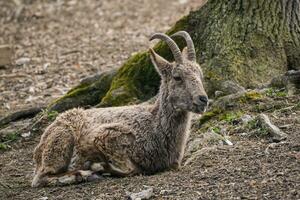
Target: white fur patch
85, 173
67, 179
96, 167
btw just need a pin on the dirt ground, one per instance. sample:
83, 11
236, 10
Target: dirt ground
69, 40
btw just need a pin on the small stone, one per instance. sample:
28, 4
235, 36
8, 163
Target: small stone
165, 192
25, 135
145, 194
244, 134
31, 90
246, 118
22, 61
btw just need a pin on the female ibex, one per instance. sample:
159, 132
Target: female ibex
122, 141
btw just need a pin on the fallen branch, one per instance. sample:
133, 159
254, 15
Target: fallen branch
273, 130
22, 114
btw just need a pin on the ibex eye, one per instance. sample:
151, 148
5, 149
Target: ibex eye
177, 78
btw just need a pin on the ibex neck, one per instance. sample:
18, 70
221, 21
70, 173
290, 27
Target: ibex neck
171, 122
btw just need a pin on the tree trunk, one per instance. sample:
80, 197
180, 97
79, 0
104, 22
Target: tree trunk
245, 41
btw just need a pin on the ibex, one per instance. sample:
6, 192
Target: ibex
80, 145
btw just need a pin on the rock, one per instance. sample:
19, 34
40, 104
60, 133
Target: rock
22, 61
230, 87
25, 135
246, 118
265, 123
165, 192
6, 55
145, 194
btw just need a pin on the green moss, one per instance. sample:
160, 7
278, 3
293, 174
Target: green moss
51, 115
252, 124
9, 137
272, 92
76, 90
210, 74
250, 96
3, 146
297, 106
230, 117
209, 115
85, 94
135, 76
256, 129
216, 129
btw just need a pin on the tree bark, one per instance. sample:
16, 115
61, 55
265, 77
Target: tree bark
245, 41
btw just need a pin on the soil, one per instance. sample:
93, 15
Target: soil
67, 40
70, 40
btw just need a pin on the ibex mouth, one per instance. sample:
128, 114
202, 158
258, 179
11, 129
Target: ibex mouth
199, 109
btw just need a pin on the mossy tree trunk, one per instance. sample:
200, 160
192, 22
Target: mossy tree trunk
246, 41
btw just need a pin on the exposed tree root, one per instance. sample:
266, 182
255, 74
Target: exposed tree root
22, 114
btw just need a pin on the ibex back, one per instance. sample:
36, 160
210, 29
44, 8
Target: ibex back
80, 145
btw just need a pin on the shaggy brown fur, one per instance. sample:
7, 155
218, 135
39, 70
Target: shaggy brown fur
80, 145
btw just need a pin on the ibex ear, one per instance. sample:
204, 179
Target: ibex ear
162, 66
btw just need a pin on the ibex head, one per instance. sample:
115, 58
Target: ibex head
183, 78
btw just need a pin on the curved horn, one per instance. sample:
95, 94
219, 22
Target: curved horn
172, 45
189, 42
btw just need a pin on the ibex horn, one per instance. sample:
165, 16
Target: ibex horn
189, 42
172, 45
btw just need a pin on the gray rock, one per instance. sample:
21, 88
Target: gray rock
246, 118
22, 61
145, 194
230, 87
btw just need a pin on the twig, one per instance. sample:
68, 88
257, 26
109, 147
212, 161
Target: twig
71, 52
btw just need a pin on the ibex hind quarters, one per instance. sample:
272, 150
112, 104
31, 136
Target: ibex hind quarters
80, 144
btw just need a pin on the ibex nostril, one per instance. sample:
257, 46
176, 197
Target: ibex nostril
201, 99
